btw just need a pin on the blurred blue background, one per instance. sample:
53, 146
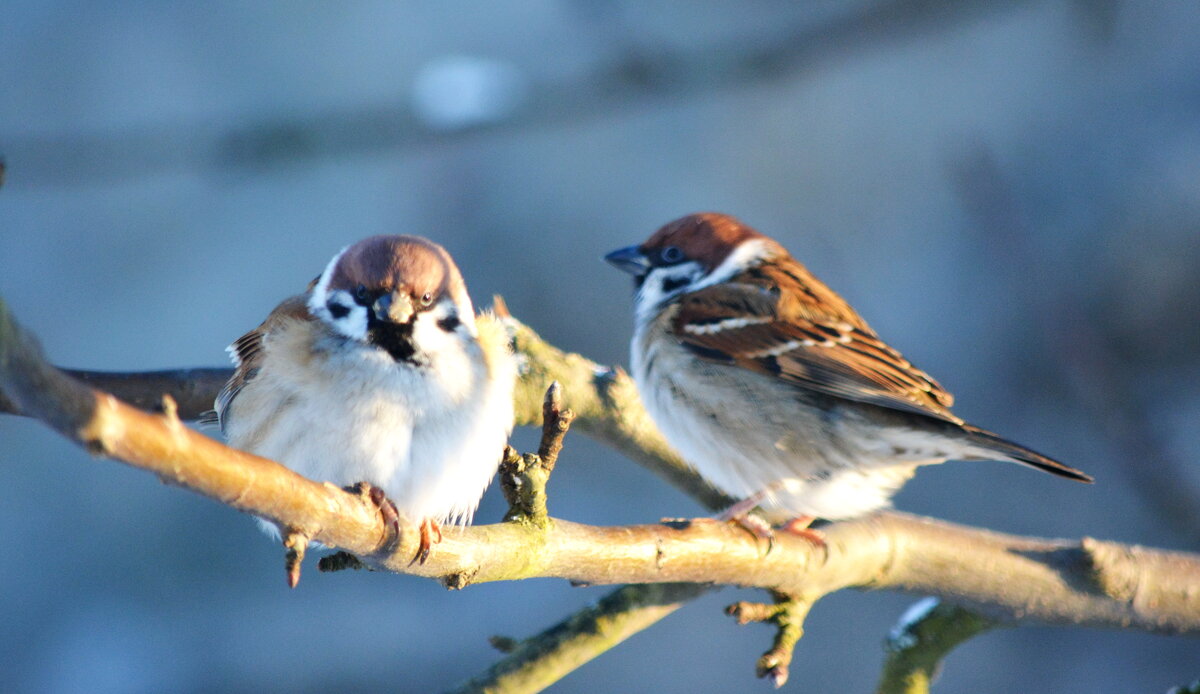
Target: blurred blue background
1008, 192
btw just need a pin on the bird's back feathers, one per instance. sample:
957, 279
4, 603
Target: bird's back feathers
247, 351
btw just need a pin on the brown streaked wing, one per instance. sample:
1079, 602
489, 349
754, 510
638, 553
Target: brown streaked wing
805, 335
247, 352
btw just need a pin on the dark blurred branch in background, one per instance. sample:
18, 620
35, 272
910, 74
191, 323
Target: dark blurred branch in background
538, 662
642, 74
1081, 337
1007, 578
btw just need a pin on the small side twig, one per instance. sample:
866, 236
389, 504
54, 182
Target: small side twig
923, 637
523, 478
296, 543
555, 422
787, 614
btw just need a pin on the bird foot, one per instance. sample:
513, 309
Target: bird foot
429, 527
387, 509
757, 527
798, 526
739, 510
739, 513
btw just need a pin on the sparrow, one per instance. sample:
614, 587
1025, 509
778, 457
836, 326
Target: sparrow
774, 389
380, 375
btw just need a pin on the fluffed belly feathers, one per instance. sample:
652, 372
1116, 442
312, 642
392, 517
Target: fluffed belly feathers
748, 435
430, 439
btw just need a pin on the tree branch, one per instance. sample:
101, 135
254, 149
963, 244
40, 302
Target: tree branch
1003, 577
542, 660
787, 614
925, 635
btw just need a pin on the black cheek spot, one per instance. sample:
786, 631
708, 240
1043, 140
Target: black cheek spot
449, 323
337, 310
671, 284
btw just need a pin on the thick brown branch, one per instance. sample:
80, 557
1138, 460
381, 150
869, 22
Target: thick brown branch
1091, 582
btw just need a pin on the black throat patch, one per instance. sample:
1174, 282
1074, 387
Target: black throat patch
394, 338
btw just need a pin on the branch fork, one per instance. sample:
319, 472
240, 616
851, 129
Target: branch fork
523, 478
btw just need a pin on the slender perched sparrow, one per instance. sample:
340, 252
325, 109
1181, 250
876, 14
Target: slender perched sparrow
380, 373
774, 389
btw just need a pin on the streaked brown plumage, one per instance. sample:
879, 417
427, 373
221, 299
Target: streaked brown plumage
773, 386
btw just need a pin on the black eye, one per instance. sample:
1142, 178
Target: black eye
426, 298
671, 255
360, 293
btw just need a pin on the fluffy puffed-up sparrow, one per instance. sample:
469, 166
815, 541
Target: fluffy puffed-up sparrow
380, 373
774, 389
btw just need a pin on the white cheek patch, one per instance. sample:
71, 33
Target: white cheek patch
429, 331
663, 284
351, 320
354, 323
446, 308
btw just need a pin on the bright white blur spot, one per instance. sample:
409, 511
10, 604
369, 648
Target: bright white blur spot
457, 92
901, 636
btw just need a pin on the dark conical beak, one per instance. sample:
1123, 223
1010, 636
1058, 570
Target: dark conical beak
629, 259
395, 307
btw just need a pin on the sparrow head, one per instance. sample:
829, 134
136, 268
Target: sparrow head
381, 289
691, 253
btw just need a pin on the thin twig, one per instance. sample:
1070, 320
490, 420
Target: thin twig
555, 422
